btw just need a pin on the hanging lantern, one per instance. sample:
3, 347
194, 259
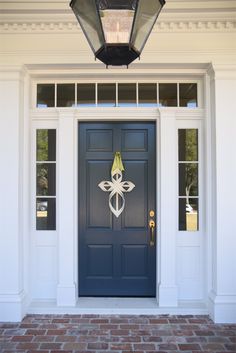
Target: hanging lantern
117, 30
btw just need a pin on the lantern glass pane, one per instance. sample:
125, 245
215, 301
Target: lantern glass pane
117, 25
88, 17
145, 18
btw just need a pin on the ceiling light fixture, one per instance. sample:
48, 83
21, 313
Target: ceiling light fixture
117, 30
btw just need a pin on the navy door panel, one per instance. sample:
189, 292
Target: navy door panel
115, 256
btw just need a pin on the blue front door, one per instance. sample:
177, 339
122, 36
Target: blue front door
116, 256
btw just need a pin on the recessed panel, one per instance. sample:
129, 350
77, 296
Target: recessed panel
99, 260
135, 213
98, 211
99, 140
134, 260
134, 140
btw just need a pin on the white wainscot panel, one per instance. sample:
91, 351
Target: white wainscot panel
45, 281
189, 273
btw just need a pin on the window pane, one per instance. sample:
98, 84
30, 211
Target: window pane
45, 95
45, 214
87, 15
168, 94
147, 12
46, 179
127, 94
46, 145
188, 144
188, 179
147, 94
188, 214
86, 94
107, 94
65, 95
188, 95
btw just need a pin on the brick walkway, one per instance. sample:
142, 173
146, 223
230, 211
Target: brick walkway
126, 333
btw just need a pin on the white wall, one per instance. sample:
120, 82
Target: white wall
223, 294
11, 244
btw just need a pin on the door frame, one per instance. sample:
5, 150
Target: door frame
66, 247
99, 115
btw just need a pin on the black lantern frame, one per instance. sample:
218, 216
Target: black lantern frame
117, 30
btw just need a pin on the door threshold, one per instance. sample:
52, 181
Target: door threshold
117, 306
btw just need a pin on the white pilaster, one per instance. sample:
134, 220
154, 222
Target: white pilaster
12, 295
168, 225
66, 292
222, 296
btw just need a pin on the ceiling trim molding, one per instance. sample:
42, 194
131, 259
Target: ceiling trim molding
14, 27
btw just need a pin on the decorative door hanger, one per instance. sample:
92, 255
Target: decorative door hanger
116, 186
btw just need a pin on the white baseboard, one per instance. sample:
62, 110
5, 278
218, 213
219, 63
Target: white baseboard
13, 307
168, 296
66, 295
222, 308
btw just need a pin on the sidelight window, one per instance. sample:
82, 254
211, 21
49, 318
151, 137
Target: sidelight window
45, 179
188, 168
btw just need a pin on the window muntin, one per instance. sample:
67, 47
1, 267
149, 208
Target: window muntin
188, 170
45, 179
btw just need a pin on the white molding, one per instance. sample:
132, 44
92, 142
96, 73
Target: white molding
66, 295
12, 73
13, 307
118, 306
28, 26
222, 308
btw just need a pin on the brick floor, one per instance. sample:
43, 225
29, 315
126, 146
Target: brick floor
116, 334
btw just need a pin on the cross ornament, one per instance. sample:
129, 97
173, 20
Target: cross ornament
116, 187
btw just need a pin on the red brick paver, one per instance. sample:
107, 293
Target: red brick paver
116, 334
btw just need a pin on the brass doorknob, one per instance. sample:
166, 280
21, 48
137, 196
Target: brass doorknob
152, 225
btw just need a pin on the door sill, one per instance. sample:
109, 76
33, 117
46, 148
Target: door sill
117, 306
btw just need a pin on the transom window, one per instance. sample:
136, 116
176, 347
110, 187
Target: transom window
117, 95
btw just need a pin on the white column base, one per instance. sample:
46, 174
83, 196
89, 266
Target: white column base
168, 296
222, 308
13, 307
66, 295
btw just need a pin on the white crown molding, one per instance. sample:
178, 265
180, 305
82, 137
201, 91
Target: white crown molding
72, 27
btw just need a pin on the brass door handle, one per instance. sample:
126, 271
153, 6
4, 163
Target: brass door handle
152, 232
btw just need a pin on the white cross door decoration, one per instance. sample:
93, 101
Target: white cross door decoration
117, 188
